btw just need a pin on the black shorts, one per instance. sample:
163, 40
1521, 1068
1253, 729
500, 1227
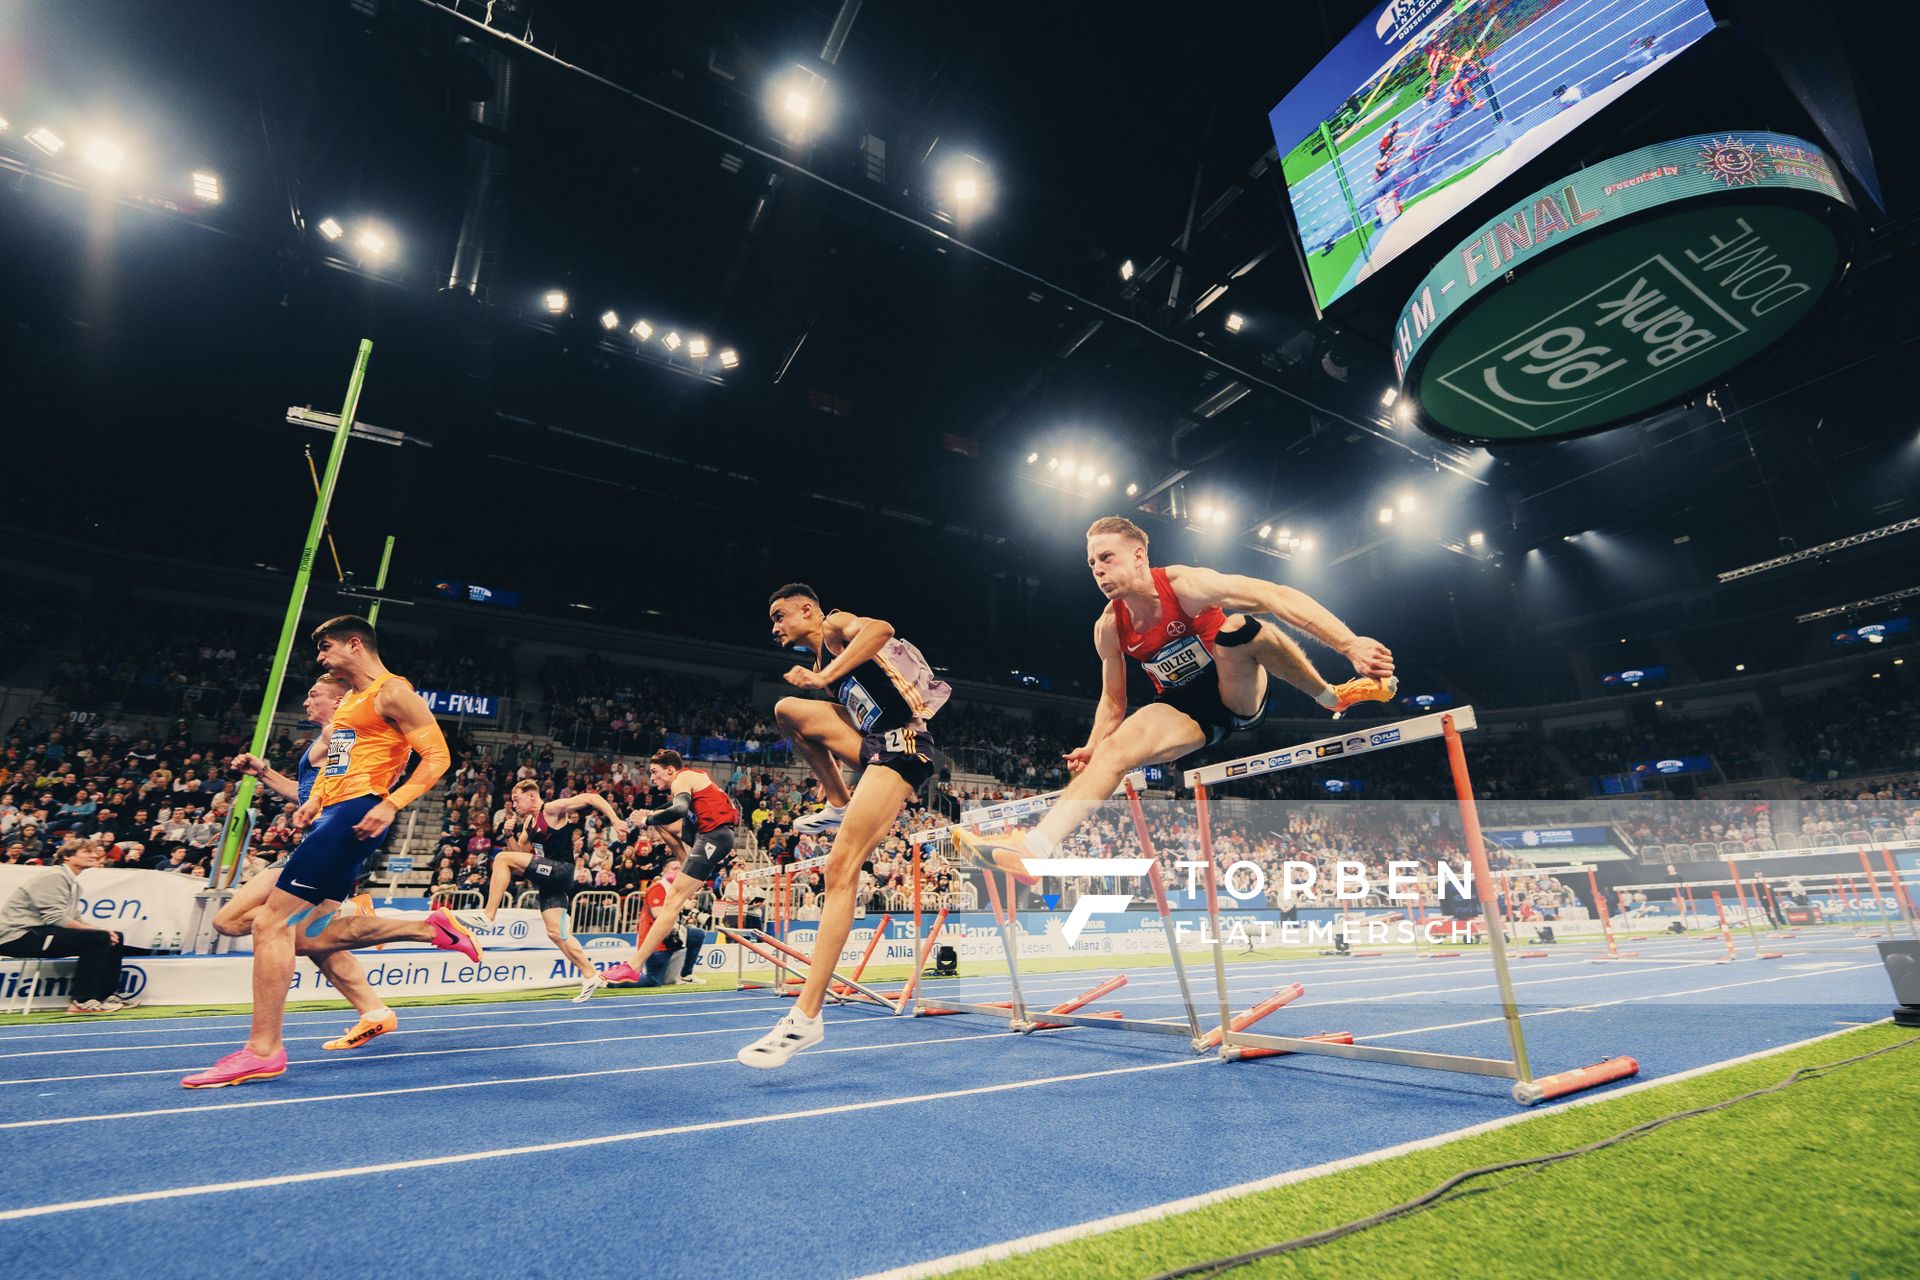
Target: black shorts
908, 752
707, 852
1200, 699
554, 880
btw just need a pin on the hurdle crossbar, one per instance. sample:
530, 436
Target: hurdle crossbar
840, 988
1354, 740
1446, 726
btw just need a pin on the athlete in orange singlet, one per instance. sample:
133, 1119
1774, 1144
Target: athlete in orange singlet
352, 804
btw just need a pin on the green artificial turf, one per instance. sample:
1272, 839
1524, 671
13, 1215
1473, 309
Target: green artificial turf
1816, 1180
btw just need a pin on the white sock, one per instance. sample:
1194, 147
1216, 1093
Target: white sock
377, 1014
1040, 845
1327, 698
804, 1017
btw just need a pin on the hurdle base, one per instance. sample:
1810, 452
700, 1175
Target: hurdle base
1530, 1093
1323, 1037
1464, 1063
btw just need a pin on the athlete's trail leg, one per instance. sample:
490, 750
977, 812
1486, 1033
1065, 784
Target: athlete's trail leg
1154, 733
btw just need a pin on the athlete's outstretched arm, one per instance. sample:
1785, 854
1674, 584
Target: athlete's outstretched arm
863, 638
1113, 690
1197, 588
407, 711
588, 800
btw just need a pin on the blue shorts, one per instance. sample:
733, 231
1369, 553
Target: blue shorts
324, 866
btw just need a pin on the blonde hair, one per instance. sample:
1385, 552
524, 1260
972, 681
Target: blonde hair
1120, 525
526, 784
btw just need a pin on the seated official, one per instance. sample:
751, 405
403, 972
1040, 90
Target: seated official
41, 920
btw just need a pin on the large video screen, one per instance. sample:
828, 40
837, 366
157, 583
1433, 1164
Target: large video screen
1429, 103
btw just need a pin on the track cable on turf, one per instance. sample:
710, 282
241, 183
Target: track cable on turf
1222, 1265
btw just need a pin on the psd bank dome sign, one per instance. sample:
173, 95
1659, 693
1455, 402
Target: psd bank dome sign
1624, 288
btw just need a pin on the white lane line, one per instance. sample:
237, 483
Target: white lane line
575, 1144
1155, 1212
404, 1031
469, 1084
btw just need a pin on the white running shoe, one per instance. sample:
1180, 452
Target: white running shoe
828, 819
589, 984
789, 1036
688, 979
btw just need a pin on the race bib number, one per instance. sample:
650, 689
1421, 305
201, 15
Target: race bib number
1178, 662
859, 704
340, 752
900, 742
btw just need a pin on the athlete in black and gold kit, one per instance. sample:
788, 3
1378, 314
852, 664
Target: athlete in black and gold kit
884, 693
540, 842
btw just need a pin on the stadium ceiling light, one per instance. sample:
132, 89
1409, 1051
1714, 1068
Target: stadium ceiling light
1066, 466
1265, 530
1388, 396
1659, 702
1235, 322
47, 140
206, 187
1032, 458
609, 319
1739, 666
1406, 503
1086, 473
4, 124
105, 156
1053, 464
729, 358
1476, 539
672, 341
1219, 515
1206, 511
555, 301
697, 347
1285, 534
1132, 490
641, 330
797, 103
1105, 480
331, 230
374, 242
1307, 544
1386, 515
1126, 268
964, 180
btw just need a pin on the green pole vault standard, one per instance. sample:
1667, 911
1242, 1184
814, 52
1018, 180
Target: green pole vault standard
290, 626
380, 583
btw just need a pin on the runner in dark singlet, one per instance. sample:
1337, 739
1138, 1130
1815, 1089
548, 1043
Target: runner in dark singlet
1209, 671
540, 843
884, 694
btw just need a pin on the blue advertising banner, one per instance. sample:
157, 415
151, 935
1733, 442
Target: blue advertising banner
1427, 701
1547, 837
1633, 676
1873, 632
1674, 765
480, 706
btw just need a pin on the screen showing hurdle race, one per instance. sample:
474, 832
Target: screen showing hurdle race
1428, 104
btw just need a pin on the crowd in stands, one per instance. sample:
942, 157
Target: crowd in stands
1735, 740
1844, 735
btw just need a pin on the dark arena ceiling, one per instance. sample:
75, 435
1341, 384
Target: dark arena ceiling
900, 353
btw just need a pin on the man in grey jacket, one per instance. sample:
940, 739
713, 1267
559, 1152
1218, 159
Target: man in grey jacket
42, 920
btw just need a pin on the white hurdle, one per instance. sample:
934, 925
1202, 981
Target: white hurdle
1359, 740
1019, 1017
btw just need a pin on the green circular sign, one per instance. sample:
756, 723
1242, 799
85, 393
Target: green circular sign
1624, 289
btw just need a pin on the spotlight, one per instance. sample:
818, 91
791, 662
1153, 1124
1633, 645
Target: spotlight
1032, 458
555, 301
1285, 534
206, 187
1235, 322
697, 347
1220, 515
1053, 464
1739, 666
47, 140
1066, 467
966, 183
1126, 269
1876, 675
374, 242
1406, 504
1206, 511
330, 229
1388, 396
798, 104
1104, 480
966, 190
1086, 474
104, 156
1659, 702
609, 319
1476, 539
1132, 489
5, 124
1307, 544
641, 330
1265, 530
1899, 662
1386, 515
672, 341
729, 358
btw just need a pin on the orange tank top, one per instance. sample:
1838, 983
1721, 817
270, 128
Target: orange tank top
365, 754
